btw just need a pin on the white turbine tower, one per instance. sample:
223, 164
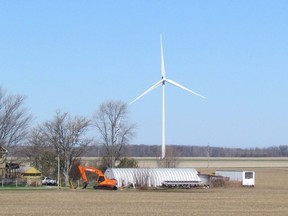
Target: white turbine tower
163, 82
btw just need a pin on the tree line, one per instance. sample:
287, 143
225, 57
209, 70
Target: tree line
143, 150
204, 151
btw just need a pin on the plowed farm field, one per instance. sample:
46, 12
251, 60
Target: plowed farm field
268, 197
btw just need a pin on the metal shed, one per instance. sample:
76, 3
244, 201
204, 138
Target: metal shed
153, 177
247, 178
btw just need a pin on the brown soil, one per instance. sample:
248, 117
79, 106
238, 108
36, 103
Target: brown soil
268, 197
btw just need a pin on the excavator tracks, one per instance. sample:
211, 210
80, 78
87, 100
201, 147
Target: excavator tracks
104, 188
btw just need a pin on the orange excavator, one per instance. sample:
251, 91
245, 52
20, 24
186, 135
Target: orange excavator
103, 182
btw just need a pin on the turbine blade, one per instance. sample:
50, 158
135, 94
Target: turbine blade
162, 60
182, 87
147, 91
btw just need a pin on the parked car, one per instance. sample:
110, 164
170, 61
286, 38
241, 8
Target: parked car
48, 181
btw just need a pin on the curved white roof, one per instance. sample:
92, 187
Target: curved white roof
151, 176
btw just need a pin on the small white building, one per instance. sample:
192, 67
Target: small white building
246, 177
154, 177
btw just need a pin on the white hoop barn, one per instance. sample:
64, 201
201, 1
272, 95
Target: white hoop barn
154, 177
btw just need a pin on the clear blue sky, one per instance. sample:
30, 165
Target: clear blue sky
73, 55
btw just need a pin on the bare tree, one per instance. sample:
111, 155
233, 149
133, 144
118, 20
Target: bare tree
111, 121
170, 160
66, 135
14, 120
41, 152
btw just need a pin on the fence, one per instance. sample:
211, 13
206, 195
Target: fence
20, 182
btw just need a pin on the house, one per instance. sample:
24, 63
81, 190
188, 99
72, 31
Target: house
12, 170
3, 155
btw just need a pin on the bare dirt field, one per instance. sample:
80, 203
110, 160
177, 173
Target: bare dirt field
268, 197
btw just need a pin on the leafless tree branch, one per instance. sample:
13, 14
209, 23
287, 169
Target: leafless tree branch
14, 120
111, 122
66, 136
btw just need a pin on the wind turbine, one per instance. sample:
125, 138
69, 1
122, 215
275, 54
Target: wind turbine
163, 82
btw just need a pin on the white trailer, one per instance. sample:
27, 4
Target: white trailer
246, 177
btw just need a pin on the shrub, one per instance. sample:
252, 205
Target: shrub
222, 182
128, 163
141, 177
218, 182
233, 184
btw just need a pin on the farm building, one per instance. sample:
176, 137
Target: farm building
246, 177
206, 179
154, 177
30, 174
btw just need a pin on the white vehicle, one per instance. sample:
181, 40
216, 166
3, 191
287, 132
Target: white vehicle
48, 181
247, 178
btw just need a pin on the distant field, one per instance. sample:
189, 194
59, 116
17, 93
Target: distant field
199, 161
234, 162
210, 162
268, 197
219, 162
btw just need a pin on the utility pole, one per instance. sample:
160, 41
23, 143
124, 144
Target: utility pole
208, 156
58, 177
